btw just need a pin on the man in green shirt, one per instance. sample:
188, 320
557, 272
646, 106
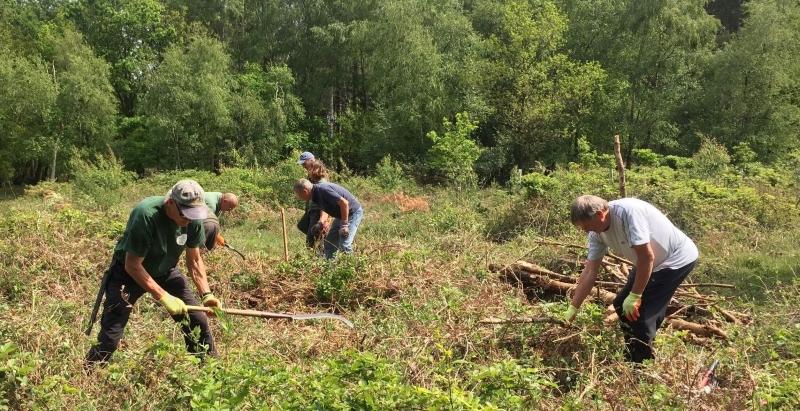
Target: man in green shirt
145, 260
217, 203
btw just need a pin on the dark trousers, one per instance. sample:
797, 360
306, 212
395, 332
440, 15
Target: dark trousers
122, 292
657, 294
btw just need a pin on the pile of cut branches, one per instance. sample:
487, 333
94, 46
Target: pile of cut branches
699, 314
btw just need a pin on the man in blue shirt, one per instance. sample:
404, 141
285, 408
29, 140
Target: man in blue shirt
336, 201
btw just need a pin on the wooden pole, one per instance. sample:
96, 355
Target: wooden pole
285, 238
620, 166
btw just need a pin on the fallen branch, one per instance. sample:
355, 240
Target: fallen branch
521, 320
695, 285
581, 247
702, 330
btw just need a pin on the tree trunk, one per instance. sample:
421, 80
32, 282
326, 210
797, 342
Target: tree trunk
620, 167
54, 160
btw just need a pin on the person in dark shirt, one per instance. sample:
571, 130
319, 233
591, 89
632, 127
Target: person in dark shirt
145, 260
335, 201
317, 173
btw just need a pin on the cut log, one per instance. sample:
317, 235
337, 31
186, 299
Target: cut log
701, 330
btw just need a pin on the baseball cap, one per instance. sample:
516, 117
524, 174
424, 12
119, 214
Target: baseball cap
305, 157
188, 195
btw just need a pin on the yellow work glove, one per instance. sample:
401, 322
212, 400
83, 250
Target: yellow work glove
569, 316
209, 300
630, 307
174, 305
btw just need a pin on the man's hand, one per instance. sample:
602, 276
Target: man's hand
569, 316
630, 307
174, 305
220, 240
317, 230
344, 231
209, 300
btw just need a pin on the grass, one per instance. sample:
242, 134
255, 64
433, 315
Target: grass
416, 291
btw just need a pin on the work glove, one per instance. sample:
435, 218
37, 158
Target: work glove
344, 231
174, 305
569, 316
219, 240
630, 307
209, 300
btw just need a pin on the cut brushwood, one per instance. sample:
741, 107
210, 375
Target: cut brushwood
521, 320
533, 276
271, 315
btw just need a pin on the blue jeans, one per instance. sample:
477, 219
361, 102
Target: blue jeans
334, 242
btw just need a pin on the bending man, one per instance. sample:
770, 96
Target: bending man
217, 203
145, 260
663, 256
336, 201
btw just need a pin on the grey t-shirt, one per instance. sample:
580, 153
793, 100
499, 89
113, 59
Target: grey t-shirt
636, 222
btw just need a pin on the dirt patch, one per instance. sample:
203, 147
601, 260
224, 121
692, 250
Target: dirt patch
406, 203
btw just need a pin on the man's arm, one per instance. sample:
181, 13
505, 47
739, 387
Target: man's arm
344, 208
197, 270
644, 267
585, 282
134, 268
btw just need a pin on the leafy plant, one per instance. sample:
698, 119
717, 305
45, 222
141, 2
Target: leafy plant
452, 156
389, 173
99, 182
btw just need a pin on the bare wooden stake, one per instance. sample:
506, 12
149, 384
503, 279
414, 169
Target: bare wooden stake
285, 238
620, 166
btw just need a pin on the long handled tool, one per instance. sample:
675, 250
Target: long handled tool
267, 314
97, 301
228, 246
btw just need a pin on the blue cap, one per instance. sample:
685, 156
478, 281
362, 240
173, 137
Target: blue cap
305, 157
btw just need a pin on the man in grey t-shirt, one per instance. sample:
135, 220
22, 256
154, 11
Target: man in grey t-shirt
663, 256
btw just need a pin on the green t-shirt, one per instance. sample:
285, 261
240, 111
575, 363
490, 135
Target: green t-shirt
151, 234
213, 201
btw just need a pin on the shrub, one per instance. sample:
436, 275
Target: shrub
587, 156
646, 157
677, 162
452, 157
711, 160
510, 385
388, 173
100, 181
333, 284
537, 185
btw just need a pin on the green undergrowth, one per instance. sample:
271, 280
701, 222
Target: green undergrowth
416, 289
